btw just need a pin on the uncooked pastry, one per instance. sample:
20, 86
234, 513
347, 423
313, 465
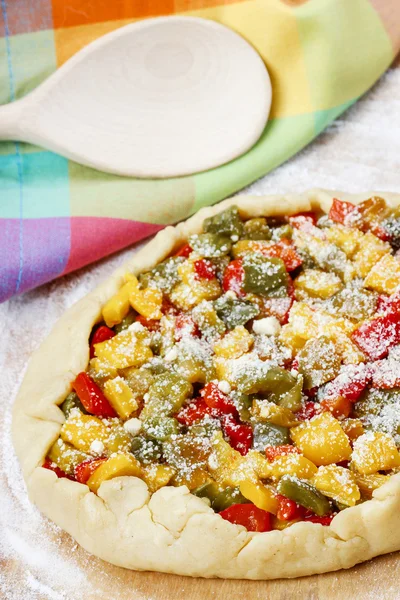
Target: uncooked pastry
174, 531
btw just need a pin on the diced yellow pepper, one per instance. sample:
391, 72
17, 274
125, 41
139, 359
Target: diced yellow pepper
118, 440
124, 350
373, 452
371, 250
118, 306
81, 430
192, 290
120, 396
353, 428
347, 239
322, 440
243, 247
234, 344
368, 483
293, 464
318, 284
351, 355
290, 339
192, 478
224, 370
273, 413
384, 277
262, 496
337, 483
103, 369
302, 320
118, 465
147, 302
157, 476
65, 456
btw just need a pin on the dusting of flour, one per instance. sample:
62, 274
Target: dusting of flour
37, 560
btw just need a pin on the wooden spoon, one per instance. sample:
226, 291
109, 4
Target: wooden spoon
157, 98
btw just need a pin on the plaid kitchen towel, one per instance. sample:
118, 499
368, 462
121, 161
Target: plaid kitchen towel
56, 216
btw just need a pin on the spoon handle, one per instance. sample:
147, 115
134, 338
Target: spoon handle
10, 120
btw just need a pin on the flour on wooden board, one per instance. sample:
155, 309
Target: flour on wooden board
359, 151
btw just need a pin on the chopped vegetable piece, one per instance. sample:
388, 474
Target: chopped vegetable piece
118, 306
234, 344
302, 220
126, 322
318, 284
257, 229
82, 430
167, 395
86, 469
101, 334
165, 275
210, 245
216, 399
227, 222
319, 361
249, 516
157, 476
288, 510
264, 275
305, 494
193, 412
234, 312
374, 451
322, 440
121, 397
92, 397
147, 302
273, 452
184, 251
375, 337
150, 324
337, 483
260, 495
160, 428
339, 406
384, 277
269, 435
72, 401
325, 521
234, 277
130, 348
340, 211
309, 410
278, 415
65, 456
369, 483
293, 464
286, 252
204, 269
240, 435
116, 466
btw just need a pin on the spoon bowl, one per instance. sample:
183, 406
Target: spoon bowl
161, 97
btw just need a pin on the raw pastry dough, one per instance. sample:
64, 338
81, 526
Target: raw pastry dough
173, 531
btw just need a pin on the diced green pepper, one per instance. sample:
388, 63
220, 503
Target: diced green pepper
146, 450
268, 434
209, 323
205, 429
292, 398
220, 499
305, 494
284, 231
379, 410
139, 380
352, 302
243, 403
273, 380
164, 276
257, 229
225, 223
66, 457
235, 312
167, 395
126, 322
319, 362
263, 274
161, 428
72, 401
210, 245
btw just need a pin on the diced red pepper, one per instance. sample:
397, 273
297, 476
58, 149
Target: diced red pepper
288, 510
248, 515
273, 452
308, 411
381, 233
375, 337
102, 334
350, 384
286, 252
338, 406
388, 304
92, 396
311, 393
184, 251
303, 220
86, 469
340, 210
48, 464
150, 324
214, 398
195, 411
234, 277
204, 269
327, 520
185, 326
240, 435
167, 308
